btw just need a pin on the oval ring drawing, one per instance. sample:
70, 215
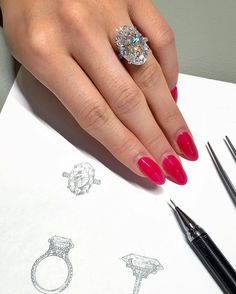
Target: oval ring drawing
81, 178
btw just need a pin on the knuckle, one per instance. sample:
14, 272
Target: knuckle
126, 146
171, 119
68, 13
128, 99
166, 36
150, 75
154, 142
72, 16
94, 117
39, 38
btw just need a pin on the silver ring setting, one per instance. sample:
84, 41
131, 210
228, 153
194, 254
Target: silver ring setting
60, 247
132, 45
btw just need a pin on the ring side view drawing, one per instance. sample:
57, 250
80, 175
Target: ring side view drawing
142, 267
59, 247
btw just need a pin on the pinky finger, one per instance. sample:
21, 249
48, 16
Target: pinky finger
161, 39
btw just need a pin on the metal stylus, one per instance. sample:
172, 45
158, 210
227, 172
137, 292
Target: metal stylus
213, 259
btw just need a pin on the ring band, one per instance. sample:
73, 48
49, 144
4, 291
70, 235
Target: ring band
132, 45
60, 247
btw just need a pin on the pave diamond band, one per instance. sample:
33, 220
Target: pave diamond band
59, 247
132, 45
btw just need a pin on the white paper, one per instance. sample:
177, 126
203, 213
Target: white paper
125, 214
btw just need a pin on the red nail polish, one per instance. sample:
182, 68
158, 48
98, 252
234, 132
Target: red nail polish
187, 146
174, 93
174, 169
151, 169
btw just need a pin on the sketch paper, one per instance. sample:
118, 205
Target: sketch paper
39, 141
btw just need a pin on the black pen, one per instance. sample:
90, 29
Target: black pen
212, 258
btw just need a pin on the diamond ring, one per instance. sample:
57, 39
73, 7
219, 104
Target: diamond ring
81, 178
132, 45
60, 247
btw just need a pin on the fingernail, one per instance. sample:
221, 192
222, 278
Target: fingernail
187, 146
174, 169
174, 93
151, 169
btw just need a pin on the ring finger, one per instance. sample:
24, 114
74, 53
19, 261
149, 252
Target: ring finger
152, 81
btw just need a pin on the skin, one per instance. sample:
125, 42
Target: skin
69, 47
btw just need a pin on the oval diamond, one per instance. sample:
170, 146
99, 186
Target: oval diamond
132, 45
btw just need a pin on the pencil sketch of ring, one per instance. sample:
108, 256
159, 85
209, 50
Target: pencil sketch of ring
141, 267
81, 178
59, 247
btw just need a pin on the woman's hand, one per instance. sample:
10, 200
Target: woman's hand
69, 46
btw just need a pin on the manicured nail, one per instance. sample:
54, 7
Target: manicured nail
151, 169
187, 146
174, 169
174, 93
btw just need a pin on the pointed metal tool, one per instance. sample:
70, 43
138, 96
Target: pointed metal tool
230, 146
222, 173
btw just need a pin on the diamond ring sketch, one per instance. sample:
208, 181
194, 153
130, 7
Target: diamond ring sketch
60, 247
81, 178
132, 45
142, 267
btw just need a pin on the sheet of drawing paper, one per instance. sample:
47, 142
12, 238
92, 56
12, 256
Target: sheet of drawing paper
122, 215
